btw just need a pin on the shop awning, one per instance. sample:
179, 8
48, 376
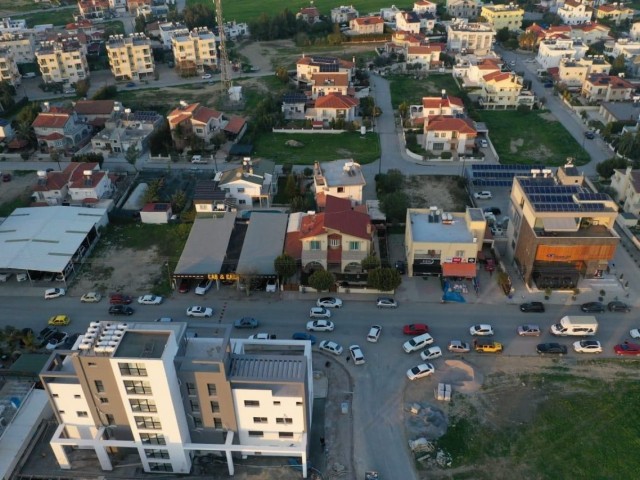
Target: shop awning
466, 270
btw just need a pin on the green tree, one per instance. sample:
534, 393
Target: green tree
389, 182
160, 142
178, 200
218, 139
105, 93
403, 109
285, 266
618, 65
291, 188
370, 262
198, 15
6, 95
153, 192
321, 280
503, 35
282, 74
140, 24
394, 205
605, 169
131, 155
527, 40
89, 158
82, 87
385, 279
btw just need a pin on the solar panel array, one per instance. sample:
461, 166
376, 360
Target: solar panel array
492, 183
484, 166
546, 196
592, 197
484, 175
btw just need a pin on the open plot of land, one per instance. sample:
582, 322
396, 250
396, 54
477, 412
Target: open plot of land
406, 88
442, 191
55, 17
318, 147
17, 192
17, 6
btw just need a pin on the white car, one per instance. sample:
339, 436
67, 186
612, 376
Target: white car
164, 320
203, 287
320, 326
22, 277
484, 195
50, 293
431, 353
329, 302
458, 346
416, 343
319, 312
206, 76
419, 371
635, 333
481, 330
198, 159
483, 143
57, 340
374, 333
356, 354
331, 347
386, 302
262, 336
587, 346
4, 276
197, 311
150, 300
271, 286
91, 297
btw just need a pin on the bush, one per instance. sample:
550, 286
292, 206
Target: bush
446, 155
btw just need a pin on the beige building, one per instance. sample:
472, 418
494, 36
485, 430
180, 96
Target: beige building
503, 91
307, 66
607, 88
8, 68
194, 51
62, 61
573, 73
467, 37
464, 8
340, 178
626, 184
130, 57
443, 244
615, 12
22, 46
574, 12
367, 25
503, 16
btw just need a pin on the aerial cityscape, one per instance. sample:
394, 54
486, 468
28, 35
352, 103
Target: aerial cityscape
312, 240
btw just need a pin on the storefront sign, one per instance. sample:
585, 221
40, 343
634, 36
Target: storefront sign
223, 276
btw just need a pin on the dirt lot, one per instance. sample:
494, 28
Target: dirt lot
19, 185
425, 191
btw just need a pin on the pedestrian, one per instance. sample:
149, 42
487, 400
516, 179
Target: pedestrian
348, 358
327, 364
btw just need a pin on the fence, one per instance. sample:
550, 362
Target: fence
306, 130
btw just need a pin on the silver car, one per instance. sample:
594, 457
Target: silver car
319, 312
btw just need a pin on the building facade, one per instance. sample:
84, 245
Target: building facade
21, 45
464, 37
8, 68
503, 16
130, 57
552, 52
62, 61
340, 178
194, 51
366, 25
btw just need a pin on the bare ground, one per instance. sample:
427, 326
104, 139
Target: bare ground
425, 191
19, 185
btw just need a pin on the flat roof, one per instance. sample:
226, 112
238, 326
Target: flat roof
423, 231
206, 247
45, 238
263, 242
140, 344
342, 172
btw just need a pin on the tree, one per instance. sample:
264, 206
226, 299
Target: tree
105, 93
321, 280
291, 188
178, 200
160, 142
153, 192
282, 74
618, 65
605, 169
394, 205
285, 266
218, 139
389, 182
503, 35
403, 109
385, 279
198, 15
527, 40
370, 262
7, 91
140, 24
89, 158
82, 87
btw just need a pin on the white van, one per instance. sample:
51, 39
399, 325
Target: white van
198, 159
416, 343
579, 325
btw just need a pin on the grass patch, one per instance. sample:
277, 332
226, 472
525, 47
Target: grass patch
55, 17
406, 88
318, 147
169, 240
530, 137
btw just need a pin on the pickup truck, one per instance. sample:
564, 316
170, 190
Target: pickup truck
488, 347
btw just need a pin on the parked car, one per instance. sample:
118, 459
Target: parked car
458, 346
415, 329
618, 307
416, 343
59, 320
120, 299
492, 210
431, 353
319, 312
70, 341
356, 355
401, 267
130, 84
488, 347
331, 347
262, 336
198, 159
304, 336
589, 135
203, 287
532, 307
419, 371
587, 346
91, 297
551, 348
184, 286
329, 302
198, 311
548, 85
374, 333
627, 348
635, 333
206, 76
164, 320
320, 326
529, 330
246, 322
484, 195
482, 330
386, 302
22, 277
483, 143
150, 300
56, 340
120, 310
592, 307
44, 335
4, 276
51, 293
272, 286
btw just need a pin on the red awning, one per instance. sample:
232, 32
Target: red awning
467, 270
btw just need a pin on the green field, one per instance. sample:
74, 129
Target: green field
55, 17
318, 147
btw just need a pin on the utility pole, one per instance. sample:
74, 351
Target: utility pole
225, 68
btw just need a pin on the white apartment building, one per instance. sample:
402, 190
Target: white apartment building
629, 48
464, 8
11, 25
8, 68
167, 393
167, 31
62, 61
573, 73
574, 12
195, 50
130, 57
22, 45
343, 14
552, 52
467, 37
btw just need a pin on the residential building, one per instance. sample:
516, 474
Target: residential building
294, 105
309, 15
427, 21
590, 33
424, 6
444, 105
12, 25
559, 231
628, 48
449, 134
119, 7
408, 22
96, 112
62, 61
22, 45
124, 130
340, 178
130, 58
626, 184
309, 65
196, 120
620, 112
503, 91
81, 39
336, 240
439, 243
635, 31
503, 16
388, 14
325, 83
464, 37
138, 7
552, 52
573, 73
167, 30
251, 185
59, 128
235, 128
167, 392
607, 88
156, 213
464, 8
209, 198
574, 12
82, 25
8, 68
366, 26
6, 131
615, 12
80, 182
428, 56
194, 51
400, 41
473, 70
343, 14
333, 106
93, 8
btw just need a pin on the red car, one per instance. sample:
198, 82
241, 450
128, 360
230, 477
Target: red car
627, 348
119, 299
184, 286
415, 329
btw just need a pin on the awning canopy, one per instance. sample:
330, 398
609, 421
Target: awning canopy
467, 270
560, 224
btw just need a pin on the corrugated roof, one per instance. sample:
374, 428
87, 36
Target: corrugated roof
263, 242
268, 368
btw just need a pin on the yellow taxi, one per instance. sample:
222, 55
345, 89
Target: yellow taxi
59, 320
488, 347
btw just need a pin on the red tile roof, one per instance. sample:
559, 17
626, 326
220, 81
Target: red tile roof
78, 180
235, 125
94, 107
51, 119
337, 79
293, 245
204, 114
439, 102
338, 216
368, 20
497, 76
336, 100
450, 124
422, 49
52, 136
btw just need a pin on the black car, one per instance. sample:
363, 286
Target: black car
45, 334
494, 210
401, 267
592, 307
532, 307
554, 348
120, 310
70, 341
589, 135
618, 307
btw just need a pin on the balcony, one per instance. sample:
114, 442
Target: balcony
591, 231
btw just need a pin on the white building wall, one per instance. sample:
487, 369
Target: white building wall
70, 404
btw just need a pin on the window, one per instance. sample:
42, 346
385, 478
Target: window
314, 245
251, 403
197, 422
215, 406
298, 404
92, 364
240, 190
143, 405
82, 414
259, 419
155, 453
153, 439
133, 369
284, 420
137, 387
99, 386
76, 396
55, 395
285, 434
340, 189
149, 423
255, 433
104, 400
195, 406
334, 242
217, 423
191, 388
354, 246
61, 412
438, 146
276, 402
459, 253
242, 202
160, 467
110, 419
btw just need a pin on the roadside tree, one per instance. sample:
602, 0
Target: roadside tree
321, 280
285, 266
385, 279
